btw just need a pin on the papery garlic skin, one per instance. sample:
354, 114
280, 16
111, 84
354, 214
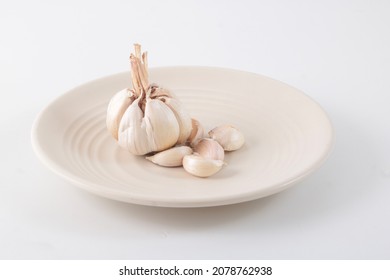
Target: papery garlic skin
182, 117
152, 131
197, 132
210, 149
201, 167
172, 157
116, 108
228, 136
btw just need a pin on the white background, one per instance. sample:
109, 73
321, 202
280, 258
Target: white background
337, 52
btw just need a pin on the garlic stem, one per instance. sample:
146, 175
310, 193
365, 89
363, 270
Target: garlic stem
134, 76
145, 64
142, 83
137, 50
142, 74
139, 71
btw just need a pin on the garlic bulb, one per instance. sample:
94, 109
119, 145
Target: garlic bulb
209, 148
200, 166
171, 157
228, 136
146, 118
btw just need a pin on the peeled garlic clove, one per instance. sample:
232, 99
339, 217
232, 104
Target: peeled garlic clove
197, 133
183, 119
201, 167
171, 157
209, 148
116, 108
228, 136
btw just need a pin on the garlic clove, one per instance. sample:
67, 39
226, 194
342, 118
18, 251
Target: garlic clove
154, 130
183, 118
197, 133
228, 136
171, 157
116, 108
210, 149
161, 125
131, 136
201, 167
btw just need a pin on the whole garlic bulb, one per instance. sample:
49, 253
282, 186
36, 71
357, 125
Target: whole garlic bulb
146, 118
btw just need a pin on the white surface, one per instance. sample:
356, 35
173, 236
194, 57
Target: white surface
293, 137
335, 51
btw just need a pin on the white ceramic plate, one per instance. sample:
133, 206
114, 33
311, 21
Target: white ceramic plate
288, 136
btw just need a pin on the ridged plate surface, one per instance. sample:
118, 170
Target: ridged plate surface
288, 136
